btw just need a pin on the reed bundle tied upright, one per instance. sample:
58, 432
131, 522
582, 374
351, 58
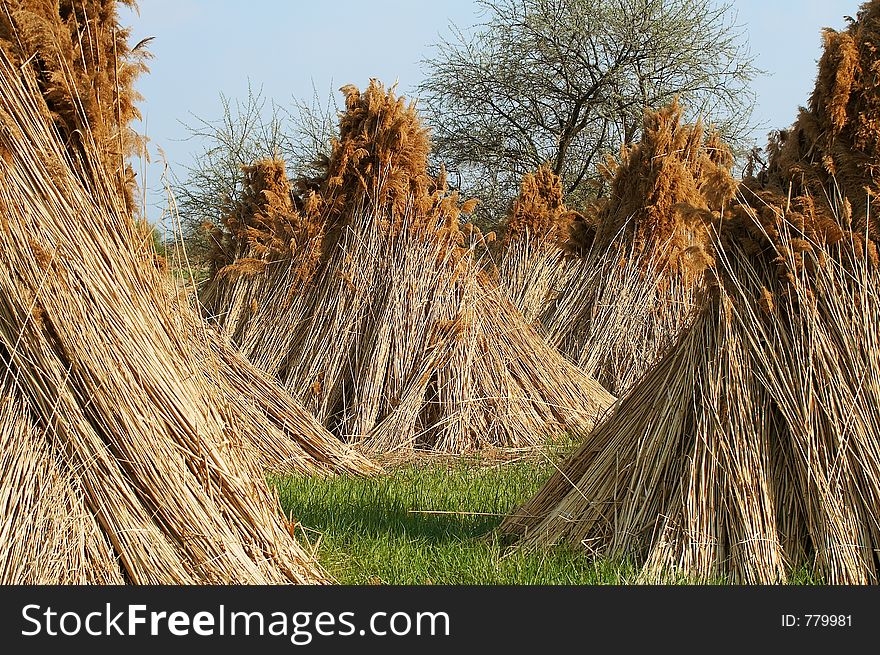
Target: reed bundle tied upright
752, 448
532, 264
637, 256
367, 302
134, 441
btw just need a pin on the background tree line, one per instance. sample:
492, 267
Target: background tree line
559, 81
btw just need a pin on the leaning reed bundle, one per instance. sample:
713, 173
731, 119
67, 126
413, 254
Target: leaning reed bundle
139, 430
262, 226
77, 45
397, 339
751, 449
640, 252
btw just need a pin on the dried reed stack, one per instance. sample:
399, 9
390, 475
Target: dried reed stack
153, 433
753, 447
832, 151
86, 69
532, 264
395, 338
264, 225
640, 253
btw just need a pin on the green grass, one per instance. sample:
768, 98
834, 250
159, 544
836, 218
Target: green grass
391, 529
382, 530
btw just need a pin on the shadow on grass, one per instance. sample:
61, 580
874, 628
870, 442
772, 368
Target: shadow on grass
430, 524
374, 508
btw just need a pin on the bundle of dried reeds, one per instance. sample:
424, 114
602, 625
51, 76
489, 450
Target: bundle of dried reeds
396, 338
640, 252
751, 448
81, 45
532, 265
152, 430
264, 225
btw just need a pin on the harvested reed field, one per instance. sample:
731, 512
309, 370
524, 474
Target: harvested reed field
363, 295
154, 434
751, 449
677, 383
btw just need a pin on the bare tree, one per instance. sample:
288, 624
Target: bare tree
568, 81
247, 131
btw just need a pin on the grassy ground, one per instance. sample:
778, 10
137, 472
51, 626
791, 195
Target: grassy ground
433, 521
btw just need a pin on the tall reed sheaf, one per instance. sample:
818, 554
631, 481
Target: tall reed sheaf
637, 257
263, 226
752, 447
393, 336
532, 265
85, 68
151, 433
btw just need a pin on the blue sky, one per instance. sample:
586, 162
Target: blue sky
286, 48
